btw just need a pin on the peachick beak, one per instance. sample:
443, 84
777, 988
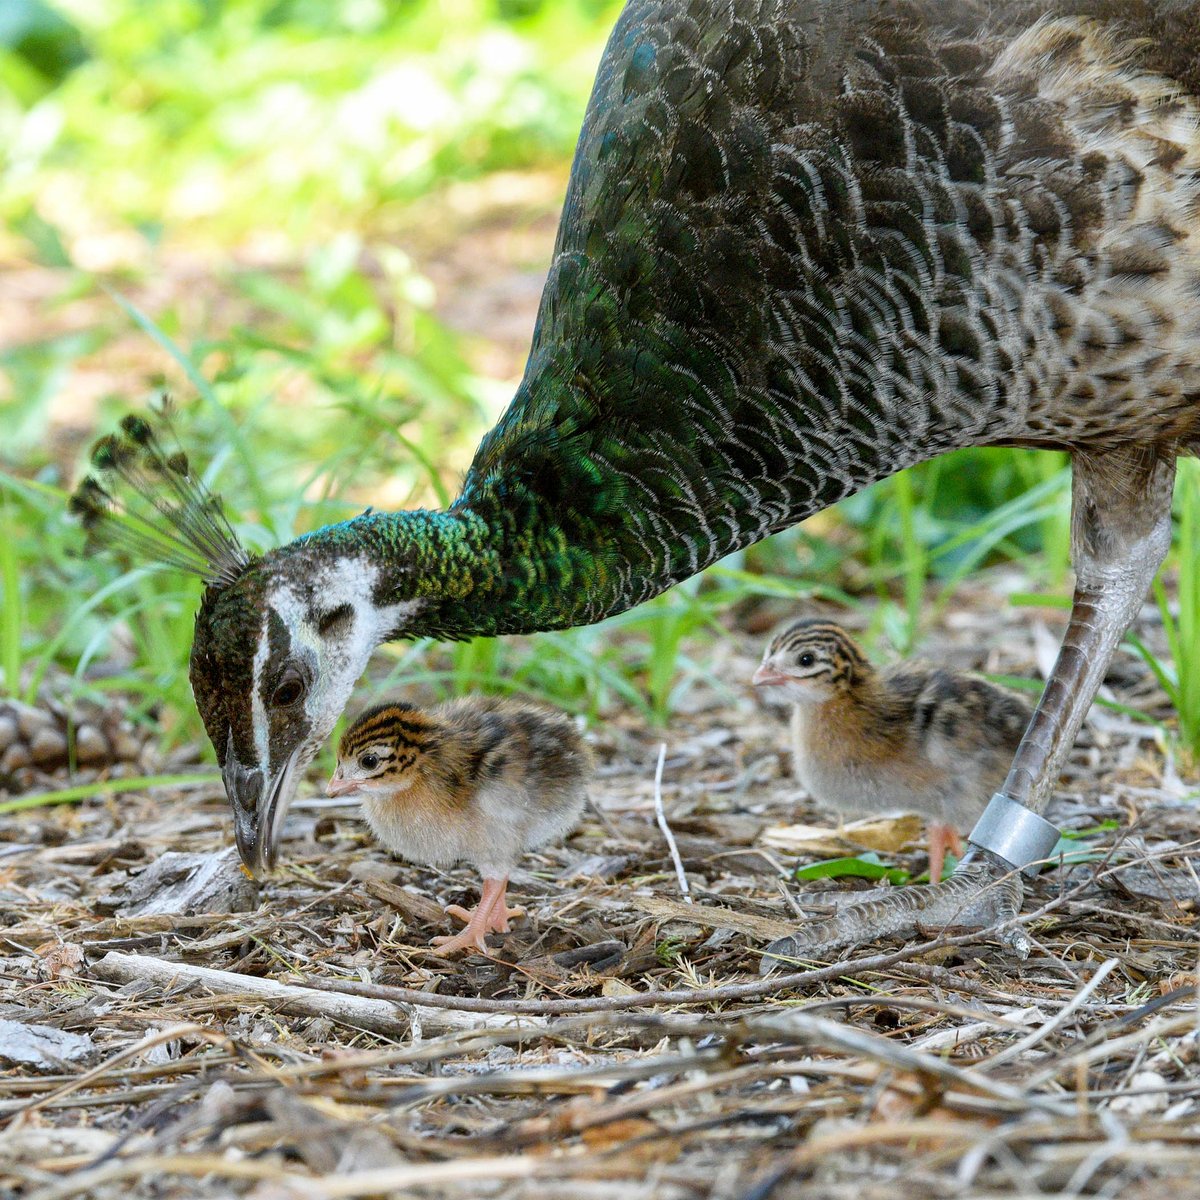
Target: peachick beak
768, 677
341, 787
259, 804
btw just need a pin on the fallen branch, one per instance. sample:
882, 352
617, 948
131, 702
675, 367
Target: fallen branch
752, 990
374, 1015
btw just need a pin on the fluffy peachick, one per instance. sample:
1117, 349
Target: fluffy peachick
866, 741
477, 780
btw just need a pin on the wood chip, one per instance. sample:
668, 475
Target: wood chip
42, 1046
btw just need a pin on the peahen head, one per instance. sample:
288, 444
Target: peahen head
275, 657
280, 639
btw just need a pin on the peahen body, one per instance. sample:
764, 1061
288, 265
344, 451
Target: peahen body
804, 245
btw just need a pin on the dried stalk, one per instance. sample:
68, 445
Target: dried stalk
1059, 1019
360, 1183
660, 815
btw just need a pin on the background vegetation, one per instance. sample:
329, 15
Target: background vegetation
245, 201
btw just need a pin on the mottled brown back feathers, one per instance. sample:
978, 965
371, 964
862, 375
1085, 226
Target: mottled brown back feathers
457, 747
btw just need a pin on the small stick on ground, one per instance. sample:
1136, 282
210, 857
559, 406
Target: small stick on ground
1056, 1022
660, 814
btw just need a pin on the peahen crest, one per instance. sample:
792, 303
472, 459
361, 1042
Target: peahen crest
163, 513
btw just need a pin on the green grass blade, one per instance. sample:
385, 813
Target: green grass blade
11, 617
205, 390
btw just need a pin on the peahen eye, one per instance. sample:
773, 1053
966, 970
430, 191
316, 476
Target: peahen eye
807, 660
368, 761
289, 692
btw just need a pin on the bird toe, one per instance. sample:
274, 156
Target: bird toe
985, 893
468, 939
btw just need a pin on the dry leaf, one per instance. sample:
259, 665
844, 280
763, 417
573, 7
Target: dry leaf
60, 959
885, 834
1180, 979
617, 987
639, 1141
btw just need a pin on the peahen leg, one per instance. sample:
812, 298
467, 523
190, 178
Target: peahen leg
1120, 533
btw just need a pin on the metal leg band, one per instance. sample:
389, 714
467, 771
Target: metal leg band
1015, 833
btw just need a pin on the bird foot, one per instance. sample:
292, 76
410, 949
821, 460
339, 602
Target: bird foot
471, 938
981, 893
480, 921
490, 915
495, 921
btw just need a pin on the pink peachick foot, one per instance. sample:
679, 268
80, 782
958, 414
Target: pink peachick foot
490, 915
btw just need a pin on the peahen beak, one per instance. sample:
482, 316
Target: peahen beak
260, 803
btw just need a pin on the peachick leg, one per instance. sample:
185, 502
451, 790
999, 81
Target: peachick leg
1120, 533
942, 837
490, 915
499, 913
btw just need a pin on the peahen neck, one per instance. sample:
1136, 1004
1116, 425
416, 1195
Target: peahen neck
497, 565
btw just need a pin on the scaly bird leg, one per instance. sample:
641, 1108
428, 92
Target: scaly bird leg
490, 915
1120, 533
942, 837
499, 913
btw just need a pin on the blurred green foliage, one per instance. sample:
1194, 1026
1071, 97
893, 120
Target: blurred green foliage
213, 195
43, 46
301, 115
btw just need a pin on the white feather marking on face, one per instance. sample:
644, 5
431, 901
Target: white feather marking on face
336, 661
258, 712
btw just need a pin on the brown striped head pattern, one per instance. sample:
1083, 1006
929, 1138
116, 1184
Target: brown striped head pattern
384, 748
813, 660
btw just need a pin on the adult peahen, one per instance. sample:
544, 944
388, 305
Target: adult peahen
804, 245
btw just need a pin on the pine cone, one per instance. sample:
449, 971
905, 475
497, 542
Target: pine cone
36, 740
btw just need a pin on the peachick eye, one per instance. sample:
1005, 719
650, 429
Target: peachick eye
369, 762
806, 660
